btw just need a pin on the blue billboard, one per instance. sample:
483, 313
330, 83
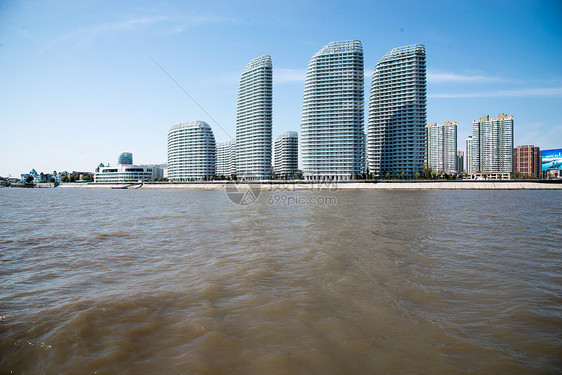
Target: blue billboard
552, 159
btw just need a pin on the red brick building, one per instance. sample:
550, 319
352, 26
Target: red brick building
527, 161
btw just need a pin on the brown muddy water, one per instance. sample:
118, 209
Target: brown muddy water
186, 282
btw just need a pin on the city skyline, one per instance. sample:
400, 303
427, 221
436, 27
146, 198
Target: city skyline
77, 78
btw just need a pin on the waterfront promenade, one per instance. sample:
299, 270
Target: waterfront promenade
332, 185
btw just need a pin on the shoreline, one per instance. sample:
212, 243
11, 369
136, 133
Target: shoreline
332, 185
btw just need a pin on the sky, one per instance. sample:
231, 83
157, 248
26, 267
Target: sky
83, 81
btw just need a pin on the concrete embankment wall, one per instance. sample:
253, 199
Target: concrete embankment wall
435, 185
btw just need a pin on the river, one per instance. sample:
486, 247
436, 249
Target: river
330, 282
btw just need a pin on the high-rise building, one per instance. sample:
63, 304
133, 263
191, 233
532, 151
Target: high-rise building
125, 158
396, 137
332, 137
254, 120
442, 147
492, 144
191, 151
460, 161
286, 154
469, 164
226, 158
527, 161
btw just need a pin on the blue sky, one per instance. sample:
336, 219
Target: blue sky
78, 86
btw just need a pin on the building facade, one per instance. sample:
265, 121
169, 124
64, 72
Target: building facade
286, 155
460, 161
442, 147
396, 137
191, 151
123, 173
226, 159
551, 162
527, 161
125, 158
332, 137
469, 163
254, 120
492, 144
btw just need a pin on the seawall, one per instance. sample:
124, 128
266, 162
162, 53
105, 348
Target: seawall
316, 186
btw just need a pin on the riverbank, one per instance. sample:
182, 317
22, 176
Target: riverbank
316, 186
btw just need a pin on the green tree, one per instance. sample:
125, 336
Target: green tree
29, 179
418, 175
387, 176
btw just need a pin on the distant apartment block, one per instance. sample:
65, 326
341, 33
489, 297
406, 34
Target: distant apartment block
332, 137
226, 158
396, 137
254, 120
527, 161
492, 144
442, 147
286, 154
460, 161
469, 164
191, 151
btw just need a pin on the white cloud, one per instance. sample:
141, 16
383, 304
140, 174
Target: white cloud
434, 77
282, 75
541, 91
539, 134
174, 25
86, 34
180, 25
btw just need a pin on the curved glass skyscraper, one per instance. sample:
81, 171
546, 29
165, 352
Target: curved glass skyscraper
396, 138
254, 120
191, 151
332, 138
125, 158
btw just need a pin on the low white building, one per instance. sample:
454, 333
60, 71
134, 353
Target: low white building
123, 173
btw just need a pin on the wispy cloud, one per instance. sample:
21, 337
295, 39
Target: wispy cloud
447, 77
179, 25
173, 25
86, 34
282, 75
552, 92
540, 133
